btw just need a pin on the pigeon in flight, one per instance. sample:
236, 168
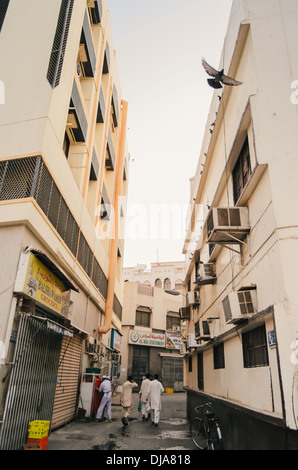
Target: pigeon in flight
219, 77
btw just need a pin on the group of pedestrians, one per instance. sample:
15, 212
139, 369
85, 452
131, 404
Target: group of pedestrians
150, 397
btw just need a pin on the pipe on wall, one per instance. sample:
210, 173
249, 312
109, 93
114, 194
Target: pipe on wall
114, 238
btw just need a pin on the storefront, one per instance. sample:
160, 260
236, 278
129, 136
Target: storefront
157, 353
42, 341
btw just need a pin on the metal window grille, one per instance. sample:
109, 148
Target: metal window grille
99, 279
59, 44
16, 178
254, 344
117, 307
85, 255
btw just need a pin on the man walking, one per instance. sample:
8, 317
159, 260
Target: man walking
144, 396
154, 396
106, 401
126, 398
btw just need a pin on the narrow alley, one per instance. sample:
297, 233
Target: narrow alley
172, 434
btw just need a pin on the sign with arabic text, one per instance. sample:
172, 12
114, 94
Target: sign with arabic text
144, 338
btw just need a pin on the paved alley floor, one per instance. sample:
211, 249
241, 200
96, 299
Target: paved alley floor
172, 433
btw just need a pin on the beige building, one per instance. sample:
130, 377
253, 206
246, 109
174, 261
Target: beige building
242, 309
167, 275
151, 335
63, 172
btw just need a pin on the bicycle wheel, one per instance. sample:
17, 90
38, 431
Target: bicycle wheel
215, 441
199, 433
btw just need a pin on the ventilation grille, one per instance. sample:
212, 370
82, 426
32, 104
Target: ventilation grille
59, 44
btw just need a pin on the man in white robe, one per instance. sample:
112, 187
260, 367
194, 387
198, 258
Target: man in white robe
154, 396
144, 396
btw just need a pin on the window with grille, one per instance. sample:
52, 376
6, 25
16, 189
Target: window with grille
59, 44
242, 171
3, 9
254, 344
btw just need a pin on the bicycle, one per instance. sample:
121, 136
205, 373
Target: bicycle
204, 430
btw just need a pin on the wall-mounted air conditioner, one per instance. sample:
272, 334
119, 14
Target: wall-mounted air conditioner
184, 313
193, 298
240, 305
203, 330
192, 342
206, 274
176, 328
227, 225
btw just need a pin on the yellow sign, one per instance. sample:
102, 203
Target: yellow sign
42, 286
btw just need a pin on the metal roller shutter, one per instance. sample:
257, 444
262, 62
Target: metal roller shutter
65, 404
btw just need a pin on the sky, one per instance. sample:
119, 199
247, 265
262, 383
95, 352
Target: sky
159, 46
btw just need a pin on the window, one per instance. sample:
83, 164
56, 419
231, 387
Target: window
173, 321
254, 344
59, 44
158, 283
167, 284
242, 171
190, 364
3, 9
200, 371
219, 356
143, 317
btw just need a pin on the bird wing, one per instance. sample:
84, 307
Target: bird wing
210, 70
230, 81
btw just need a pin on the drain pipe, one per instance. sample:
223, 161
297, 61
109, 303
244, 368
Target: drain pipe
101, 329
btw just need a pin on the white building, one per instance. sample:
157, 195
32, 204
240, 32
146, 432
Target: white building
167, 275
245, 319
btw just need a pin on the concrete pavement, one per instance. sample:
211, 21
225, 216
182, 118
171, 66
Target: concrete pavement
172, 434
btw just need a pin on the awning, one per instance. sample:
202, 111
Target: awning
53, 268
51, 325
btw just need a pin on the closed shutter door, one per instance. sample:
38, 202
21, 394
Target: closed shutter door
65, 404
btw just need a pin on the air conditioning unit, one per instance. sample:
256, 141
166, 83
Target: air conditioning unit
240, 305
184, 313
183, 349
176, 328
191, 341
206, 275
203, 330
227, 225
193, 298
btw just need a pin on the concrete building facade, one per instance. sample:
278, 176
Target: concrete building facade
242, 309
63, 181
151, 335
167, 275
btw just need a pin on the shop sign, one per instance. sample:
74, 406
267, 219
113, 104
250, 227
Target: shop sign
144, 338
115, 339
173, 340
42, 286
